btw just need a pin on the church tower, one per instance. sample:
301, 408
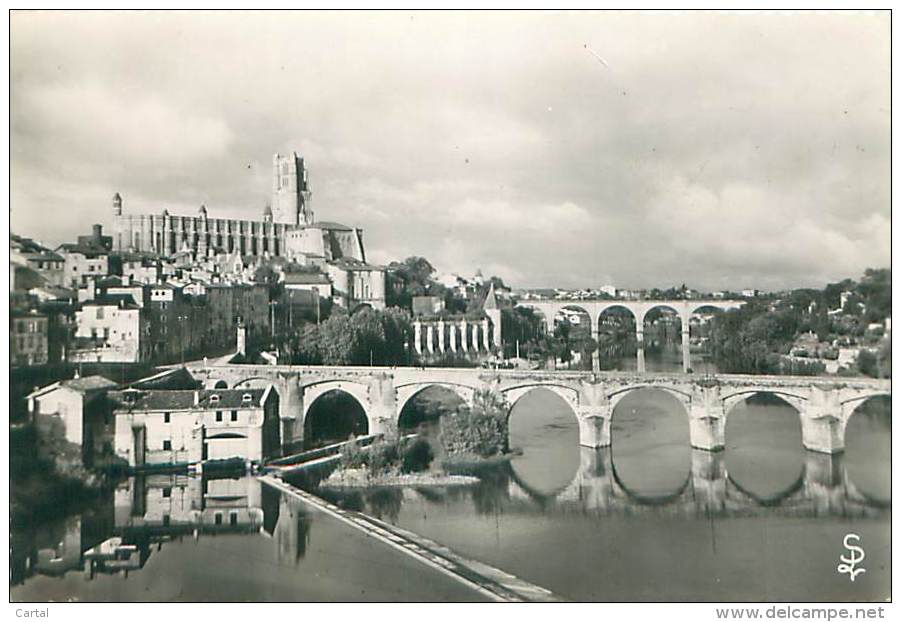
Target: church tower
290, 191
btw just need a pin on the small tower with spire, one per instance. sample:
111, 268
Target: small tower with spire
494, 315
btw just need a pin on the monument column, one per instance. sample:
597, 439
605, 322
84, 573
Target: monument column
417, 337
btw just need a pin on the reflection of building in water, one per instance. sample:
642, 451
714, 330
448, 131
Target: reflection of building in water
114, 555
172, 505
292, 532
154, 509
56, 548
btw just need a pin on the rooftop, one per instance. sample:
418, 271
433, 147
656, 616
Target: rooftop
132, 400
82, 385
330, 226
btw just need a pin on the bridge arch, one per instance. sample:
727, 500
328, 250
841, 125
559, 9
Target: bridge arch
866, 459
335, 425
731, 400
853, 403
357, 390
406, 392
570, 395
683, 397
642, 314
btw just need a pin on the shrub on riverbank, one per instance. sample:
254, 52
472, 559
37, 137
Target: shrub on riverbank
479, 431
404, 455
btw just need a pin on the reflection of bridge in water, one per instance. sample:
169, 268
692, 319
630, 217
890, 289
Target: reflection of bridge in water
822, 488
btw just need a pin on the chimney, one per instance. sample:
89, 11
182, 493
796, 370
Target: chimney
97, 232
242, 339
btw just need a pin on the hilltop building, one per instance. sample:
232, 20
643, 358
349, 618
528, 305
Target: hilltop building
286, 228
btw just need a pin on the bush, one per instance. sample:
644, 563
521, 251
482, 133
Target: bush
480, 430
383, 456
416, 455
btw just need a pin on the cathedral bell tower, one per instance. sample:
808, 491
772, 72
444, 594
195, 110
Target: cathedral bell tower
290, 191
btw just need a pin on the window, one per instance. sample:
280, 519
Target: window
167, 445
234, 415
218, 518
166, 418
233, 519
167, 492
218, 415
165, 520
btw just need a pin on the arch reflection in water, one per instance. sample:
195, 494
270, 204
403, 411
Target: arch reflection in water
764, 454
651, 451
868, 448
545, 429
823, 489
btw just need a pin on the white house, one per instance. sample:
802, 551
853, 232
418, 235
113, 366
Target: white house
78, 403
156, 427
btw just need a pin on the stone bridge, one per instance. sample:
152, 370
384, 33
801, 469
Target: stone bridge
824, 404
639, 309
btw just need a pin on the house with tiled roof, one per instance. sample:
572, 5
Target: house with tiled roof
79, 405
181, 427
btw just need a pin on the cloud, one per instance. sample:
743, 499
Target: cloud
715, 149
123, 125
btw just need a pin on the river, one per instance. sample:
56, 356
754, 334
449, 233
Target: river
648, 519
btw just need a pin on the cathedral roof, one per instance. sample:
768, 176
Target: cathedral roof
331, 226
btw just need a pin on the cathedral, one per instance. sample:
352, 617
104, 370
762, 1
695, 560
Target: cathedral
287, 227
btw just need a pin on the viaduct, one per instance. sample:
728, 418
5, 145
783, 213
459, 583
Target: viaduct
639, 310
824, 404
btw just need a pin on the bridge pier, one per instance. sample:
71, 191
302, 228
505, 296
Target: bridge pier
686, 347
822, 424
707, 418
594, 426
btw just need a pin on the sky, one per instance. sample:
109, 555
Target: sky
723, 151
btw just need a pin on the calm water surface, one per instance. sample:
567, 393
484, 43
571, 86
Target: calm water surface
647, 519
652, 519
